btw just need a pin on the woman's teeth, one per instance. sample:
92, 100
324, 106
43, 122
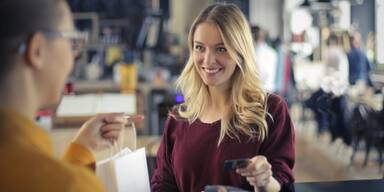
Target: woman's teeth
212, 70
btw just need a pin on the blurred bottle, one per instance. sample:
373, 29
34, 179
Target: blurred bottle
127, 71
44, 118
69, 88
128, 78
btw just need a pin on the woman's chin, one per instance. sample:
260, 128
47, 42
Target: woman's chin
210, 84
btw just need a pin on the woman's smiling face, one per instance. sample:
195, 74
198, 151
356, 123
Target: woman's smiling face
211, 58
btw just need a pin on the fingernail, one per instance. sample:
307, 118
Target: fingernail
126, 115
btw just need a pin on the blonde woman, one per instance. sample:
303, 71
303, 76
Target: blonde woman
227, 114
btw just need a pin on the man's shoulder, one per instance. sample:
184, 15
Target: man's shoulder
34, 171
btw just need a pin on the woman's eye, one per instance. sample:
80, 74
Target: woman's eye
198, 47
221, 50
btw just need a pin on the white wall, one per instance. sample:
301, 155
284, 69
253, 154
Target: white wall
268, 15
183, 12
379, 31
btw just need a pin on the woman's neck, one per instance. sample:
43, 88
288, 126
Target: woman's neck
16, 94
217, 106
218, 99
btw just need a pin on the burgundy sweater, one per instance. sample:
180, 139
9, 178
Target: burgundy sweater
189, 158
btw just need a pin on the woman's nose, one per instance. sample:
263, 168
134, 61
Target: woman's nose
209, 57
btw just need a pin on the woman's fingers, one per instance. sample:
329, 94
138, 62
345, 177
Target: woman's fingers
258, 172
259, 180
256, 167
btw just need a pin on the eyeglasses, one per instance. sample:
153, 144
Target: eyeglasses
78, 40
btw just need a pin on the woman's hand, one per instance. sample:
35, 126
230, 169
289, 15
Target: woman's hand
258, 173
101, 131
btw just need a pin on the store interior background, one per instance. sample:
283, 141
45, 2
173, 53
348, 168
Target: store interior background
137, 48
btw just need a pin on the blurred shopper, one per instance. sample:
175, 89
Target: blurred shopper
266, 58
37, 46
329, 102
335, 82
227, 114
284, 78
359, 65
336, 70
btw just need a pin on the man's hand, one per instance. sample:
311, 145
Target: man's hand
101, 131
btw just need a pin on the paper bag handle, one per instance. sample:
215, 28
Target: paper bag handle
118, 146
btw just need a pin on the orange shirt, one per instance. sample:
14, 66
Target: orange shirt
27, 162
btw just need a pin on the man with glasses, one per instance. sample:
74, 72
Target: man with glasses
78, 40
38, 44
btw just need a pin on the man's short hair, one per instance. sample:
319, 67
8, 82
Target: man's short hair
21, 18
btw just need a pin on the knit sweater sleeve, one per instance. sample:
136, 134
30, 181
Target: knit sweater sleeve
163, 178
279, 147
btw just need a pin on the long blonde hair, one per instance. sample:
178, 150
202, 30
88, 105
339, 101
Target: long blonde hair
247, 114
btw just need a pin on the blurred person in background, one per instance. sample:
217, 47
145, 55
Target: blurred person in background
359, 65
285, 84
336, 68
266, 58
329, 102
336, 82
37, 49
227, 114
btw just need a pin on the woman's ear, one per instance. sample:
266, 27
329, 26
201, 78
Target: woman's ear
35, 51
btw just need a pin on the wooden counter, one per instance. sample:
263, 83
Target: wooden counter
61, 138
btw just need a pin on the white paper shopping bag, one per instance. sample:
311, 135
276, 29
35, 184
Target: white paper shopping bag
125, 171
137, 172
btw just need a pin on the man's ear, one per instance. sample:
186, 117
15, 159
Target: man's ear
35, 52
